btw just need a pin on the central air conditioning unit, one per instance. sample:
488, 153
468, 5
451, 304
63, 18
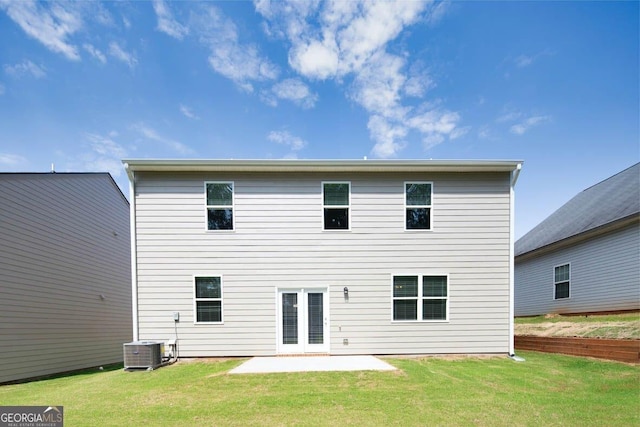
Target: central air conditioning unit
143, 355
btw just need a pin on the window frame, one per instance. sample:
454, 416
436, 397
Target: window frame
420, 298
347, 206
406, 206
232, 207
556, 283
196, 299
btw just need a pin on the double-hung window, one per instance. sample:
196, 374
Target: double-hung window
208, 299
417, 201
219, 205
335, 203
421, 298
561, 281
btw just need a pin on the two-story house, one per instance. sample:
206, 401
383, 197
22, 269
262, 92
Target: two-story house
267, 257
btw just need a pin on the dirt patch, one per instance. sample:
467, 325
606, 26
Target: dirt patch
612, 330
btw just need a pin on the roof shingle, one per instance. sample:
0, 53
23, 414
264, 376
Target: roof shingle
614, 198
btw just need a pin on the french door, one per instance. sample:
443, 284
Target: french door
303, 321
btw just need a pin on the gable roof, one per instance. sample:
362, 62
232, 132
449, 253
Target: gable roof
50, 176
614, 199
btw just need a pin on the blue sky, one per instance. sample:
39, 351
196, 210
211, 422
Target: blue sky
85, 84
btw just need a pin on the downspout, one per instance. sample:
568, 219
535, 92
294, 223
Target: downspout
514, 178
134, 254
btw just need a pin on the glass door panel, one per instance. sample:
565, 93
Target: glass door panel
315, 318
290, 318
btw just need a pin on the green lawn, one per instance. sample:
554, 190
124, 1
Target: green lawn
592, 318
613, 326
544, 390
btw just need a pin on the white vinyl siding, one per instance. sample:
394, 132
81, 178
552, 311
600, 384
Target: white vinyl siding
65, 293
605, 276
279, 243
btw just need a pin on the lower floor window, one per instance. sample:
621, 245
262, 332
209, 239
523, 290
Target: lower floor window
420, 298
208, 299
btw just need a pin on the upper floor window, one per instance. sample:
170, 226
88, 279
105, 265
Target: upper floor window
219, 205
561, 281
417, 201
420, 298
336, 202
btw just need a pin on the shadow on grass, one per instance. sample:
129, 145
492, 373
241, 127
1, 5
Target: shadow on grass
69, 374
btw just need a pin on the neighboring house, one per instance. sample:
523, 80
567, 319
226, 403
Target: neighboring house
336, 257
585, 257
65, 273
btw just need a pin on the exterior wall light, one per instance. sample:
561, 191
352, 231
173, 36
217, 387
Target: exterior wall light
346, 291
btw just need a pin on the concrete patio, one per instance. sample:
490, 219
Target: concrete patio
258, 365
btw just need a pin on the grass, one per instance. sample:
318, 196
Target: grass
614, 326
545, 390
592, 318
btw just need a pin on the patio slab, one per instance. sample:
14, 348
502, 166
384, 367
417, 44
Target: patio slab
263, 365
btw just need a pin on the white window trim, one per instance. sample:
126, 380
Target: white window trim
233, 207
563, 281
195, 300
404, 212
420, 298
348, 206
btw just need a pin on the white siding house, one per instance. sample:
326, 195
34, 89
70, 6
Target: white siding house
65, 273
335, 257
585, 257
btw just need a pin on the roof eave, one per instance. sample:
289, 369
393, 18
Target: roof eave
578, 238
159, 165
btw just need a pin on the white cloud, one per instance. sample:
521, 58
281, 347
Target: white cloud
52, 24
509, 116
285, 138
349, 33
388, 137
242, 63
7, 159
459, 132
435, 125
524, 126
315, 60
188, 112
120, 54
24, 68
377, 87
484, 132
153, 135
523, 61
96, 53
347, 41
295, 91
106, 146
431, 140
166, 23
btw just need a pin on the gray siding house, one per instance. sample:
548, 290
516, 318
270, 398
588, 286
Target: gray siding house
249, 257
585, 257
65, 273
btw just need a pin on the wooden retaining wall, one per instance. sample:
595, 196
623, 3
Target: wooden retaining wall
620, 350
